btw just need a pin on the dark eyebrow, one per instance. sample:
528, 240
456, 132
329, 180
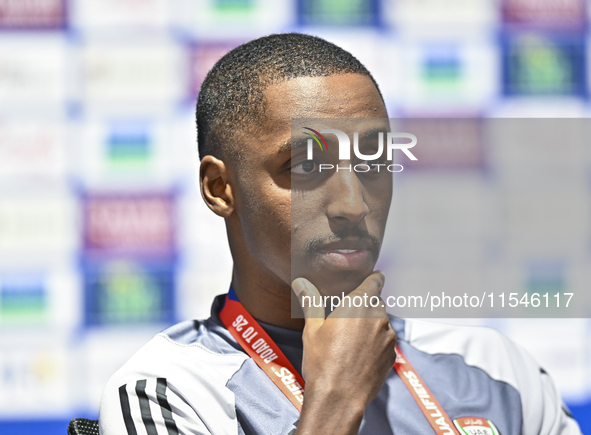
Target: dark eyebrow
373, 132
290, 146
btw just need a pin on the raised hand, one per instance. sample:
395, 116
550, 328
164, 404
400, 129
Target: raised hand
347, 357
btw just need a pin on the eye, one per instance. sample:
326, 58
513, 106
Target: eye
306, 167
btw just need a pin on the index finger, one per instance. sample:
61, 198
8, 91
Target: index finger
313, 314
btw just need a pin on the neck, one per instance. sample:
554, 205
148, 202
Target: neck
260, 290
267, 300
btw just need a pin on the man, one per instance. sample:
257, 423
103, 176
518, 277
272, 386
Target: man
212, 377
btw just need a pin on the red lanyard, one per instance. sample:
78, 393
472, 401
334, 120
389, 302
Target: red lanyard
267, 355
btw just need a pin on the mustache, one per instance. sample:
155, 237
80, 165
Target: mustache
314, 245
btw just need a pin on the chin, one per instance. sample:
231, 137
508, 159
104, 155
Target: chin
338, 282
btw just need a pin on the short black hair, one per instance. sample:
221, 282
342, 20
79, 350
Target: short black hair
231, 96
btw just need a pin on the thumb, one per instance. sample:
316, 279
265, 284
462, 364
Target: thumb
307, 293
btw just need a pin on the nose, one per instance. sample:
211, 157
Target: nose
348, 202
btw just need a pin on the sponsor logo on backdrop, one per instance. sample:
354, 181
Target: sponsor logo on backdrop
36, 380
234, 6
32, 13
538, 64
129, 146
149, 14
32, 150
547, 13
23, 299
335, 12
35, 224
125, 72
142, 224
127, 291
443, 70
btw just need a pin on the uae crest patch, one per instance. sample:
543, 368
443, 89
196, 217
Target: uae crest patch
475, 426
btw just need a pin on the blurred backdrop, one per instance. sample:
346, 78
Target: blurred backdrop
104, 240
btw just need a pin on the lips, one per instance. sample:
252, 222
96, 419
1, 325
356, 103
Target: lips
347, 253
347, 245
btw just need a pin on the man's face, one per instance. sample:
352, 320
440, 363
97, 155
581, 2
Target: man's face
296, 221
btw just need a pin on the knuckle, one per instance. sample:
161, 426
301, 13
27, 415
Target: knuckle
392, 340
372, 285
392, 335
382, 324
379, 279
377, 284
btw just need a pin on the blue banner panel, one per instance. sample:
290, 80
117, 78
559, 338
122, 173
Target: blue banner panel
339, 13
34, 427
582, 413
543, 64
23, 300
125, 291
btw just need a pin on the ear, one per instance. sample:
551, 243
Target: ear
215, 188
